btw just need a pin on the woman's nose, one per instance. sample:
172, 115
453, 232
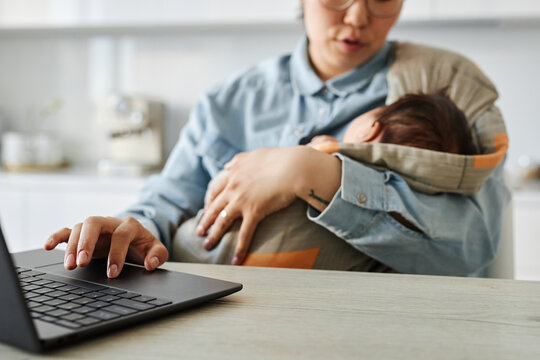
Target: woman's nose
357, 14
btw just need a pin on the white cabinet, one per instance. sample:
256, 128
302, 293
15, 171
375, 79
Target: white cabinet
485, 9
94, 13
527, 234
90, 14
32, 206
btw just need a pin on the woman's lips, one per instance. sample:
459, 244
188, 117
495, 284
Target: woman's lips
351, 45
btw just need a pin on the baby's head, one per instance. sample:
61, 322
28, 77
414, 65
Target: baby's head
431, 122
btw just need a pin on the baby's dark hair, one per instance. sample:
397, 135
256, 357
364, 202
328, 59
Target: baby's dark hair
425, 121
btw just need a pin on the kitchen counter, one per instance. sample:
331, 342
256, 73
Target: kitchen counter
82, 176
33, 205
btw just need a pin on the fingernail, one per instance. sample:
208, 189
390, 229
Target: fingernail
200, 230
83, 257
70, 261
206, 244
154, 262
112, 271
236, 261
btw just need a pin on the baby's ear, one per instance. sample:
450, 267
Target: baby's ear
372, 134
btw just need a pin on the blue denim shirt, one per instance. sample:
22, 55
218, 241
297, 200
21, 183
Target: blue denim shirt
282, 102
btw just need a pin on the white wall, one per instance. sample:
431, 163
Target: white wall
171, 67
174, 66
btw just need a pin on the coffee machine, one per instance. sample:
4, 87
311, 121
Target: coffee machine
133, 128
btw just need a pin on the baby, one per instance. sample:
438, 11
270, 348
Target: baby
288, 239
431, 122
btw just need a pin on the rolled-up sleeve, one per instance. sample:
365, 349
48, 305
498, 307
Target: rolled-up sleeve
356, 202
176, 194
456, 235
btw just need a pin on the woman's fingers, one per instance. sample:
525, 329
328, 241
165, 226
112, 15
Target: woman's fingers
61, 236
222, 223
258, 183
90, 231
210, 215
109, 236
215, 188
247, 229
121, 238
238, 157
156, 255
70, 257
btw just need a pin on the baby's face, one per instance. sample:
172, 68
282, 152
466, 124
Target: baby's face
364, 128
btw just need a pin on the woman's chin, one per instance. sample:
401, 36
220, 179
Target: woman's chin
349, 61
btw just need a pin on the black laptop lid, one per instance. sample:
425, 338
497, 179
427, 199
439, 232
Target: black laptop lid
16, 327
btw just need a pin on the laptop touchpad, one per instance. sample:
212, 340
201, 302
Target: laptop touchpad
160, 283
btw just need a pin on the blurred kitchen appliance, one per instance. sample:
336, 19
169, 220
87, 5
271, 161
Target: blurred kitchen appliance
31, 151
134, 134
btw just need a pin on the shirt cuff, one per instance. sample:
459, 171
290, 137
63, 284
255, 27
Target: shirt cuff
360, 198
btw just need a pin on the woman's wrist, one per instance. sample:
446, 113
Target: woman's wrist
319, 177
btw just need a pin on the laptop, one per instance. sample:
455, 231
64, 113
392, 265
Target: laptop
44, 306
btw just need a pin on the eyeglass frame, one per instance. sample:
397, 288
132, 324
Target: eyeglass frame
350, 2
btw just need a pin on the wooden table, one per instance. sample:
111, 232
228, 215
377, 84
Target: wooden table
311, 314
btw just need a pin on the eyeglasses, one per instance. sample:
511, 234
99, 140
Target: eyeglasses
378, 8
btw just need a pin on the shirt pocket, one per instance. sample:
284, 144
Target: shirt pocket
215, 152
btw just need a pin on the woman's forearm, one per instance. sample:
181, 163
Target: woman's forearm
319, 177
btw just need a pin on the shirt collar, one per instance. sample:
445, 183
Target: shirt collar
306, 81
303, 77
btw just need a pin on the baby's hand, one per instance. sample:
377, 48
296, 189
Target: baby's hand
321, 139
325, 143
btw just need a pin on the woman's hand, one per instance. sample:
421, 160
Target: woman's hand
101, 236
261, 182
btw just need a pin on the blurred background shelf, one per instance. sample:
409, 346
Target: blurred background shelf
128, 15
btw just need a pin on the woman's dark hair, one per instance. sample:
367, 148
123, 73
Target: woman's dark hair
431, 122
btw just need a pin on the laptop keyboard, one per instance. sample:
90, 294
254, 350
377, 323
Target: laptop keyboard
60, 301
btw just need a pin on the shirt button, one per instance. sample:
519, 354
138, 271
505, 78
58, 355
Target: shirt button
361, 197
299, 130
322, 111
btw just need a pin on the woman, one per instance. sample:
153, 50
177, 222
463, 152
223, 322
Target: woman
337, 72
